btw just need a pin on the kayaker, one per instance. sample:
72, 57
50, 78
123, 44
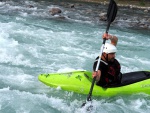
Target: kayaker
108, 73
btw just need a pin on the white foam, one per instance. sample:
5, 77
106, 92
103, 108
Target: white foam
26, 101
2, 3
5, 89
67, 69
22, 80
58, 88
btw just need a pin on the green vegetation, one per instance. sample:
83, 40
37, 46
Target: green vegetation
143, 3
135, 2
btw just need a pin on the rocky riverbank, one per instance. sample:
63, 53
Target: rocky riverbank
131, 16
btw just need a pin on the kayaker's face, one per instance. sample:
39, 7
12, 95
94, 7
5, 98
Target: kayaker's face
111, 57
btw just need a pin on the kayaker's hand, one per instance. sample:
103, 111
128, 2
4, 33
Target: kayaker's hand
107, 36
97, 75
112, 38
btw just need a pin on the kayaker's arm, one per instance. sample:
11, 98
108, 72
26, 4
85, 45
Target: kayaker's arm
97, 75
112, 38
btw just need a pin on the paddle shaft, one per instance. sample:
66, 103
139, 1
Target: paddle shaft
111, 14
97, 66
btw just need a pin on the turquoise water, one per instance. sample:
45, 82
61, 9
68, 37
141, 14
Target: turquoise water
33, 42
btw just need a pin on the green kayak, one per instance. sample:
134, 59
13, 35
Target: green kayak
80, 82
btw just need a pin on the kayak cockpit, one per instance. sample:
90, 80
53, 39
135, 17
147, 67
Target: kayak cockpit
132, 77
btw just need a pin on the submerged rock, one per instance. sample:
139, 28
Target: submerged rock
103, 16
55, 11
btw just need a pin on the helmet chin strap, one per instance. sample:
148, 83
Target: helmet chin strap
106, 58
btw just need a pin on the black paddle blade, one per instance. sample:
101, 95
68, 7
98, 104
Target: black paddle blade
83, 104
89, 108
111, 13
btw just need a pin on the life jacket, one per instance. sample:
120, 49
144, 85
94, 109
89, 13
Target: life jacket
113, 75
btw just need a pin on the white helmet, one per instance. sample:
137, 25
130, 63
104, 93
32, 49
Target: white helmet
109, 48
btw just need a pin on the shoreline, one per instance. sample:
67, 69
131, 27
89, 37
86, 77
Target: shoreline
145, 5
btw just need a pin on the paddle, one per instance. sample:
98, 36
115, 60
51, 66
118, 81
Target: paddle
111, 14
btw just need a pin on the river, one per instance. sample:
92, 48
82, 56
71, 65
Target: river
33, 42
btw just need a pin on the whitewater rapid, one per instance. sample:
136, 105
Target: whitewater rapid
33, 42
